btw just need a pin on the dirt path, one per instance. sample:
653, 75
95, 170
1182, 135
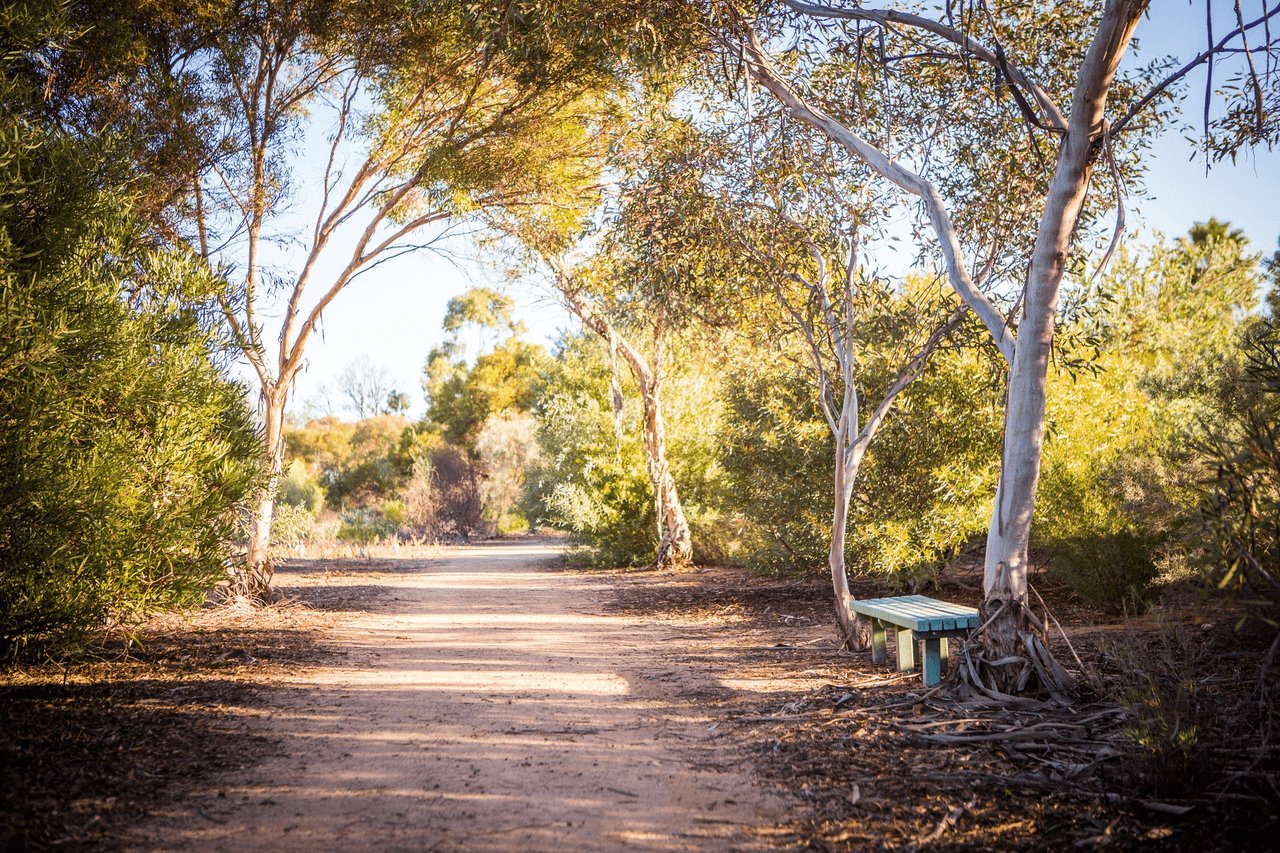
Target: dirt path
485, 704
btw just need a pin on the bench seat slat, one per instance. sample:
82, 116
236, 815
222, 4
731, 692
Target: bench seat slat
919, 613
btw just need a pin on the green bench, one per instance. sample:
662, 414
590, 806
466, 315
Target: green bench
916, 618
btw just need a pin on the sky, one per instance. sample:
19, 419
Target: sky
393, 315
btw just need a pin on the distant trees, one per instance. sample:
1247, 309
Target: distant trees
368, 390
502, 376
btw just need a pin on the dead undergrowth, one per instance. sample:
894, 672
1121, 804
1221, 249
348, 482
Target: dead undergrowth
1170, 748
1167, 750
93, 745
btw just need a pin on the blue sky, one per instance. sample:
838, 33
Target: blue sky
393, 315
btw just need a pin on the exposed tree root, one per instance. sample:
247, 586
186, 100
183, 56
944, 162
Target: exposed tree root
1008, 658
251, 584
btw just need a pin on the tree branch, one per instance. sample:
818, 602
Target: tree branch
762, 70
996, 58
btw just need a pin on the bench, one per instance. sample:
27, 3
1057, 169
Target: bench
916, 618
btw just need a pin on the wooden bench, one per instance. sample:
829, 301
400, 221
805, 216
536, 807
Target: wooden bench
916, 618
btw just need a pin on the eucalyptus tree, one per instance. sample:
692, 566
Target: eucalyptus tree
996, 76
734, 214
593, 246
430, 117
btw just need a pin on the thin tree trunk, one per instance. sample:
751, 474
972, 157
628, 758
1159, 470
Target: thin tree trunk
848, 460
253, 579
675, 545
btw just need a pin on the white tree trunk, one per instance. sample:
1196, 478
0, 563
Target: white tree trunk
253, 579
1010, 529
848, 460
675, 545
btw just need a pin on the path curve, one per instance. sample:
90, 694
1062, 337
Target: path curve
485, 704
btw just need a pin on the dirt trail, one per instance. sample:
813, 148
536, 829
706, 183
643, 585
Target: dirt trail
485, 704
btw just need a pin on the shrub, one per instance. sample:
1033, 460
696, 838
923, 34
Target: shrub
1241, 505
1116, 507
505, 447
291, 525
455, 486
298, 489
589, 477
922, 489
364, 526
124, 448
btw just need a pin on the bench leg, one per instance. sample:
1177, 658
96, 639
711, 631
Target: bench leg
942, 650
879, 651
906, 650
932, 662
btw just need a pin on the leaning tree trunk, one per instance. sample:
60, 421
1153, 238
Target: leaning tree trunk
675, 547
252, 580
1005, 575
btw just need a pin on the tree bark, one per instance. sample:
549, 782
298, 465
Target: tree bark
675, 547
675, 544
253, 579
854, 634
1010, 528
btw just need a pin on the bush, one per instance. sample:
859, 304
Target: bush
455, 486
1116, 507
589, 477
298, 489
291, 525
364, 526
505, 447
125, 449
922, 490
1241, 505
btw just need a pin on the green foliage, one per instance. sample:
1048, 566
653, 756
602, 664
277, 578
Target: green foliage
922, 490
589, 476
365, 525
291, 525
125, 448
505, 448
356, 462
299, 489
1241, 507
777, 454
1117, 492
500, 380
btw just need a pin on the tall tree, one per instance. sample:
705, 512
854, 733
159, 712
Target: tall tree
1039, 56
126, 448
431, 116
587, 245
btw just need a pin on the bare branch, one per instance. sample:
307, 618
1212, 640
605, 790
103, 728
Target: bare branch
759, 66
1221, 47
996, 58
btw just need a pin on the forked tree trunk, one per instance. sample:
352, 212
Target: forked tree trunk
675, 543
252, 580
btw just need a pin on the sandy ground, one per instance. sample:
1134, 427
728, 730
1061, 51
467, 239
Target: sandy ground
484, 704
